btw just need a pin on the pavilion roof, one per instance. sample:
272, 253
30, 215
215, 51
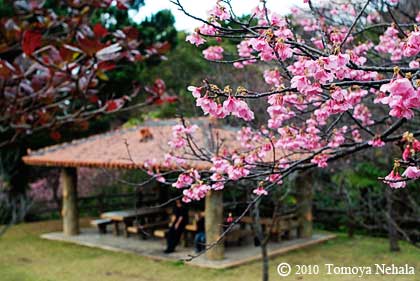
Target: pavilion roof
128, 148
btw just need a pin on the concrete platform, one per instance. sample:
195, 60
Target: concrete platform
153, 248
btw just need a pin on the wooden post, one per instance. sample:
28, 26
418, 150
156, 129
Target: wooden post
304, 195
214, 222
70, 213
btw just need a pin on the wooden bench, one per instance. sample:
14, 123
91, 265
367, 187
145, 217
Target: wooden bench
160, 233
143, 229
101, 224
129, 217
237, 236
190, 229
280, 226
284, 225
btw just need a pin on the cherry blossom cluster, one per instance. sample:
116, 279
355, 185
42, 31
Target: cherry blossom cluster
330, 91
409, 160
231, 106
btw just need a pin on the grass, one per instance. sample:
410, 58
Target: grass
26, 257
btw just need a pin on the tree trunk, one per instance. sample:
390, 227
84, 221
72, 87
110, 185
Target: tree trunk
263, 242
265, 262
304, 197
70, 213
214, 223
392, 231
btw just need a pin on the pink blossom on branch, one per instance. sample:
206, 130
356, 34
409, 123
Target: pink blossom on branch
195, 39
213, 53
412, 172
394, 180
376, 142
402, 98
331, 91
260, 191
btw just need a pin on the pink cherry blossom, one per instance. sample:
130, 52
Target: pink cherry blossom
376, 142
416, 145
208, 29
220, 165
237, 172
184, 180
283, 50
213, 53
179, 133
218, 181
196, 91
394, 180
320, 160
412, 45
412, 172
196, 192
260, 191
362, 113
406, 153
243, 111
220, 12
303, 85
244, 49
390, 44
336, 62
320, 84
338, 138
402, 98
195, 39
272, 77
230, 105
275, 178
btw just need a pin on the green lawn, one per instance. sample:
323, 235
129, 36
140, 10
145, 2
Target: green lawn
26, 257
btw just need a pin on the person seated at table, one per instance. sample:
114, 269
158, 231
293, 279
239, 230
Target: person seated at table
200, 235
179, 221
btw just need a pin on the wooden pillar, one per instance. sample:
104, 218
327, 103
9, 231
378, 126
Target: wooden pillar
214, 223
69, 212
304, 196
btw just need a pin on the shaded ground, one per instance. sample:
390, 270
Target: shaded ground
153, 247
25, 256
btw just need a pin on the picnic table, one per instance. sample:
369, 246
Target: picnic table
283, 224
126, 217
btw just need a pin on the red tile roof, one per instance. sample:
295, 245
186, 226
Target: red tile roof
109, 150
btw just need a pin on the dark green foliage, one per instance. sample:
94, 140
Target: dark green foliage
364, 175
159, 28
6, 8
184, 66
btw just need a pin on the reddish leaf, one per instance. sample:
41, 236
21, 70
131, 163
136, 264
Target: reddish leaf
170, 99
122, 4
159, 87
83, 125
31, 41
94, 99
90, 46
162, 48
56, 136
106, 65
66, 54
100, 31
131, 32
6, 69
163, 99
113, 105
